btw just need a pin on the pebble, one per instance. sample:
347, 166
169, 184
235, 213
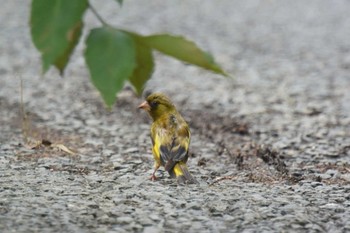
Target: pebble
124, 220
345, 177
152, 229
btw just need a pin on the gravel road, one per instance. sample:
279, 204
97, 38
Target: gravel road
270, 146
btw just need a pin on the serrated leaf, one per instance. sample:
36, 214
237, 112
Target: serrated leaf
182, 49
110, 56
56, 28
144, 68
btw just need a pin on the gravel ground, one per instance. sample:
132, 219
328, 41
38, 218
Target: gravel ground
270, 148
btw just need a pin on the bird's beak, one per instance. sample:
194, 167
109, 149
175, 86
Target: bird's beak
145, 106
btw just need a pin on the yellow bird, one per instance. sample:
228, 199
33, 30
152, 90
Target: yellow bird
170, 136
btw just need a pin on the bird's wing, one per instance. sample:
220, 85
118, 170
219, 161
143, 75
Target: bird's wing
175, 149
170, 142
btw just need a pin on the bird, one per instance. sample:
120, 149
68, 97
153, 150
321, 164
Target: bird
170, 135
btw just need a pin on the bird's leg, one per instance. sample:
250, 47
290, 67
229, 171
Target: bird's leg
153, 176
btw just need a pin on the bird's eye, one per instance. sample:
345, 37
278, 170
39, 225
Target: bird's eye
154, 104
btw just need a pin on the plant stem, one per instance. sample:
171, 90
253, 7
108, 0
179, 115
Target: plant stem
25, 123
97, 15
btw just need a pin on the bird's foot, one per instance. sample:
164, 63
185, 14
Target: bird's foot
153, 177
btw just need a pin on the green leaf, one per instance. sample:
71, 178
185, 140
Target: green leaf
144, 69
120, 2
74, 35
56, 28
182, 49
110, 56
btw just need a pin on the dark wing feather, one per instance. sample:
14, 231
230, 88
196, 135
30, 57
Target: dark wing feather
178, 149
165, 153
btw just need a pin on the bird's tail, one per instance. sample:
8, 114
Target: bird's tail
182, 174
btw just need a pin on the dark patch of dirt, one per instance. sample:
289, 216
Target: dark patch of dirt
257, 163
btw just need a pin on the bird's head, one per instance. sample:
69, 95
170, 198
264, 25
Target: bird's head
157, 104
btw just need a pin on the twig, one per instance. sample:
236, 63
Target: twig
218, 179
25, 123
97, 15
